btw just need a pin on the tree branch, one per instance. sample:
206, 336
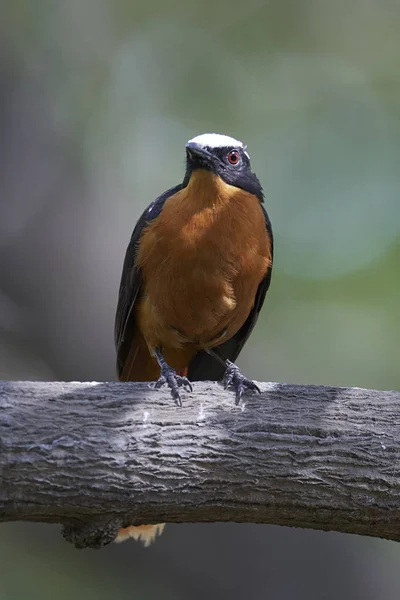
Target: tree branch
98, 456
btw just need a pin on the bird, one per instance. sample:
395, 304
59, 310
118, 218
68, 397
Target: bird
194, 279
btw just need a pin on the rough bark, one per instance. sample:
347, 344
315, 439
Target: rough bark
97, 456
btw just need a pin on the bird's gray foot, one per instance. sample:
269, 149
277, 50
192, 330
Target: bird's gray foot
233, 377
169, 377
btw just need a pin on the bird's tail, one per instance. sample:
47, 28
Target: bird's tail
144, 533
139, 366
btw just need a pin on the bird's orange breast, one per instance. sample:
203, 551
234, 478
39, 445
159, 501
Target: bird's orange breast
202, 260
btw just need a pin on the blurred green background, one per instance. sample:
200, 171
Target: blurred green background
97, 101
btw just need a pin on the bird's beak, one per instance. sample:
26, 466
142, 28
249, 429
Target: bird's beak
197, 153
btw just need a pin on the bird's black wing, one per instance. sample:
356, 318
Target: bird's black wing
131, 281
206, 367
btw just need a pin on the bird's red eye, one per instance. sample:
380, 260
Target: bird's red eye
233, 157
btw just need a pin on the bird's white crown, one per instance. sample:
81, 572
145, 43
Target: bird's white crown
216, 140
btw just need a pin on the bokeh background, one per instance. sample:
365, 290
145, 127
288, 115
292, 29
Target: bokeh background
97, 101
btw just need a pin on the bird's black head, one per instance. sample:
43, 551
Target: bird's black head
224, 156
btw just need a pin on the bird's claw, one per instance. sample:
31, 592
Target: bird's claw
168, 376
233, 377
